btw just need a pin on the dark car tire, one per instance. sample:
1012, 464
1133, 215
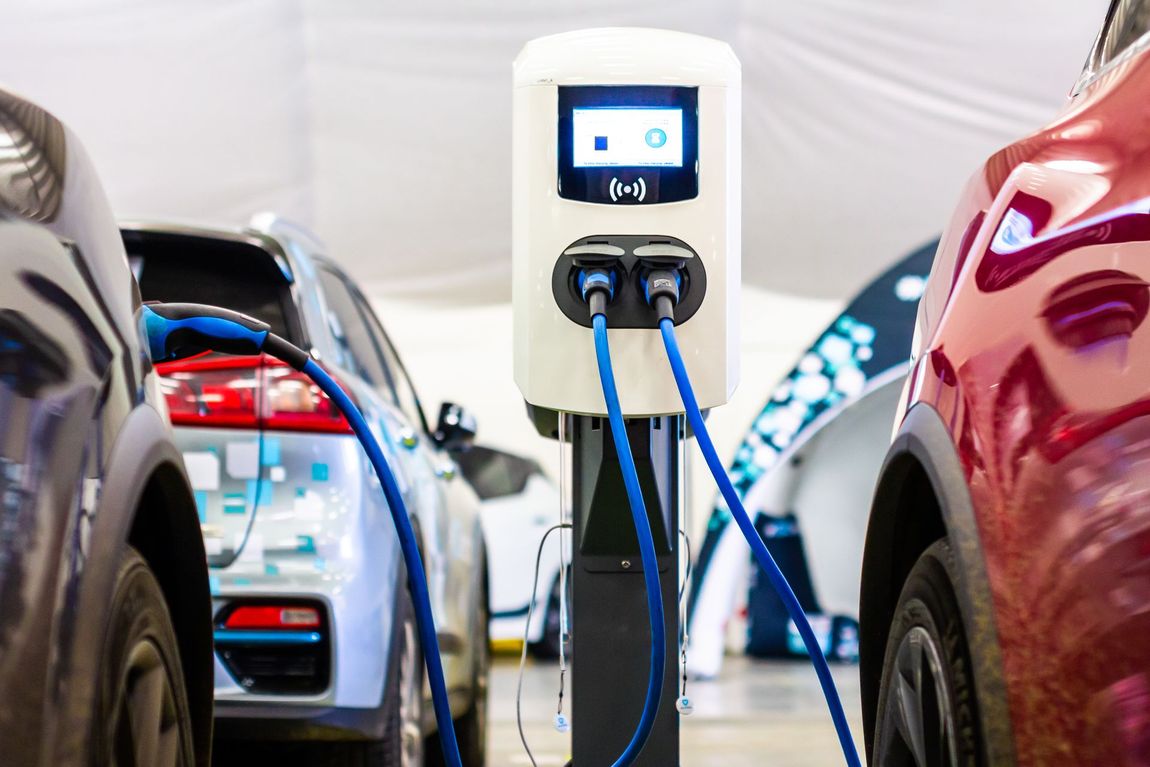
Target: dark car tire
927, 694
141, 714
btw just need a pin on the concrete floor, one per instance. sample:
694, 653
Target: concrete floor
756, 713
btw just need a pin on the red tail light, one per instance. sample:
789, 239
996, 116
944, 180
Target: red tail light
292, 402
273, 617
246, 393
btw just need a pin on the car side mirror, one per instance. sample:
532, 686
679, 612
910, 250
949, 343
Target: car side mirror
455, 429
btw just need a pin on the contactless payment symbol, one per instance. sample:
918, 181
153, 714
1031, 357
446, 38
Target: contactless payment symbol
656, 137
636, 190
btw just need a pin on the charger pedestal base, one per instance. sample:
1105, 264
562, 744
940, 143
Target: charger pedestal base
610, 627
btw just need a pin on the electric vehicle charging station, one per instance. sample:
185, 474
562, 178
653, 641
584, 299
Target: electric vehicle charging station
626, 177
626, 193
597, 85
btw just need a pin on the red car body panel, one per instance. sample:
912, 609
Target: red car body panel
1035, 352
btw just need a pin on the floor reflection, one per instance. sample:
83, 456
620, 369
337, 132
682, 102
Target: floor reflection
756, 713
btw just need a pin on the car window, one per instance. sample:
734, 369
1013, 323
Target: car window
350, 331
203, 271
1129, 21
402, 388
495, 474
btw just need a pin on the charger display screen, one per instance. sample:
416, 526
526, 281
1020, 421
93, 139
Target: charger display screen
628, 144
622, 137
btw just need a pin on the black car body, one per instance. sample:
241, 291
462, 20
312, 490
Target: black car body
103, 582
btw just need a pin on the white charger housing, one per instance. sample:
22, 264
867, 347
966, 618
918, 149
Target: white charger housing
625, 136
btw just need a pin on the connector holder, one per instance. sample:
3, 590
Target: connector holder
628, 307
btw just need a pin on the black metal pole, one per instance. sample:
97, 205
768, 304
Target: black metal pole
610, 633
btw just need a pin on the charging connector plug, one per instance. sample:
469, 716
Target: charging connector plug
663, 267
661, 289
597, 286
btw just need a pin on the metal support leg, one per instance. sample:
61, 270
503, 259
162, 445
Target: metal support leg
610, 625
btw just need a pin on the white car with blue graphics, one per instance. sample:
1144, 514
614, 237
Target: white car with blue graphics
314, 628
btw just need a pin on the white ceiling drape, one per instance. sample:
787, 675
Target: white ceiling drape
385, 126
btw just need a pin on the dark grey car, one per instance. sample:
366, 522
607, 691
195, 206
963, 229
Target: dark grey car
105, 619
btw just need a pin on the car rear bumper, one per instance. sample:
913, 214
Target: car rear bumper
357, 635
321, 531
244, 720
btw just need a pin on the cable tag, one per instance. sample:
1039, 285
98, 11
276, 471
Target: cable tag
684, 706
561, 723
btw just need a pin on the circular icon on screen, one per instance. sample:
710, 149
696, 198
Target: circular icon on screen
656, 137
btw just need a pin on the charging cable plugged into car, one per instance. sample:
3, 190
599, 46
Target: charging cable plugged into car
176, 331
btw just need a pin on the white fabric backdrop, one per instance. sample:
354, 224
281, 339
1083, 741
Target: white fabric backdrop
385, 125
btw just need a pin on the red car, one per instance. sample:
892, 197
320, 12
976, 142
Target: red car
1006, 581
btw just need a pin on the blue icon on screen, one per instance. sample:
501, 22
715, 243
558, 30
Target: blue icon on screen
600, 143
656, 138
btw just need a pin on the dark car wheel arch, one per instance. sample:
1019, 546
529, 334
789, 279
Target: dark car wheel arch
146, 503
921, 496
165, 517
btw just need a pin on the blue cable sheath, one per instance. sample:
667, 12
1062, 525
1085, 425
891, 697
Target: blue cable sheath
415, 572
758, 548
646, 545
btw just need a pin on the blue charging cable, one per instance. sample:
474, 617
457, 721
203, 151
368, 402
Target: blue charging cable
407, 542
758, 548
180, 330
646, 543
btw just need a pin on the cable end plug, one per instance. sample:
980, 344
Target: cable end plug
661, 289
597, 286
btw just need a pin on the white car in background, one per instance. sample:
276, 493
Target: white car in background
519, 504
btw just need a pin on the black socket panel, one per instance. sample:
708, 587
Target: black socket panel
628, 308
